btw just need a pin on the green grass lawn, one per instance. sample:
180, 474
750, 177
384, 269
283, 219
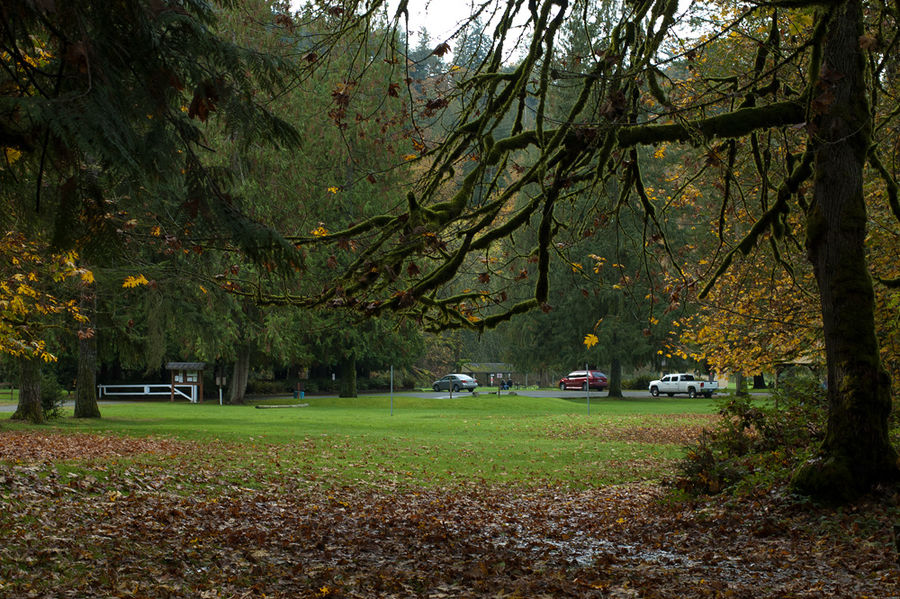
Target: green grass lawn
510, 439
478, 496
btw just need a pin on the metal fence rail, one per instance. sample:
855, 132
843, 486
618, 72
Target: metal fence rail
151, 389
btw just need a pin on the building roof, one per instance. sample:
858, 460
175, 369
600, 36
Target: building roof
185, 365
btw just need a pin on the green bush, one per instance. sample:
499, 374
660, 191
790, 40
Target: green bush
756, 447
638, 383
268, 387
321, 385
52, 396
377, 380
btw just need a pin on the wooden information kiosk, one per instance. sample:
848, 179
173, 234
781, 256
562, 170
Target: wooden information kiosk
187, 374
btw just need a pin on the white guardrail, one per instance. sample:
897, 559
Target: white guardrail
152, 389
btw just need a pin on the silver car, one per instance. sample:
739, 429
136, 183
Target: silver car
455, 382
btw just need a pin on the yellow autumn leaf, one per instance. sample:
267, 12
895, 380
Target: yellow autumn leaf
132, 281
16, 305
12, 155
409, 157
334, 189
590, 340
319, 232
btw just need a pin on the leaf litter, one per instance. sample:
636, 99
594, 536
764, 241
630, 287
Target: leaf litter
102, 516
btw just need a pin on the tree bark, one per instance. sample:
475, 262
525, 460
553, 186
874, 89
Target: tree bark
856, 452
740, 384
348, 377
86, 381
240, 375
615, 378
29, 407
759, 381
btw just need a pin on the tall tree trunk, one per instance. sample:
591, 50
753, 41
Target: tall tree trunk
240, 375
348, 377
759, 381
740, 383
856, 452
86, 381
29, 407
615, 378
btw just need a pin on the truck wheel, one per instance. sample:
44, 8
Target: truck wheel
692, 393
670, 394
708, 394
654, 391
562, 386
436, 388
584, 387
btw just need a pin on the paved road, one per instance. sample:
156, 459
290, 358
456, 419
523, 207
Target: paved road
482, 391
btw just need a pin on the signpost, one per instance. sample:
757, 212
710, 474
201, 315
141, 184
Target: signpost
220, 378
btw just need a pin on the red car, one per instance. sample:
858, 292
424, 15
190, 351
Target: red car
577, 379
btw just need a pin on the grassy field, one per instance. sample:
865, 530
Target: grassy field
523, 440
471, 497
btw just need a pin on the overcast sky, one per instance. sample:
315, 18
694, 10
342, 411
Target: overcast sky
440, 17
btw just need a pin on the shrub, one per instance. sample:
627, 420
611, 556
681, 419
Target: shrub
51, 396
377, 380
638, 383
755, 447
268, 387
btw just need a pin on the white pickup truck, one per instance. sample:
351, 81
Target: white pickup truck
671, 384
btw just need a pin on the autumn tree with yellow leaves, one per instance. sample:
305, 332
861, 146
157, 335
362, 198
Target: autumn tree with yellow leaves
32, 304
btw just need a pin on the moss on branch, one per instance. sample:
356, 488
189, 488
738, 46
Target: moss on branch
732, 124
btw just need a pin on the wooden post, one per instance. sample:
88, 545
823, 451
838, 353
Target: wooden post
172, 387
200, 386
